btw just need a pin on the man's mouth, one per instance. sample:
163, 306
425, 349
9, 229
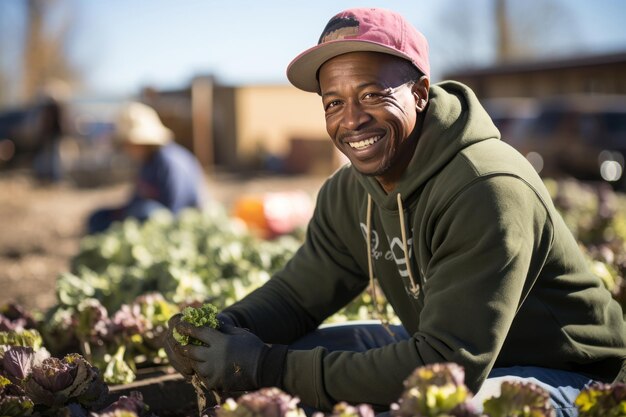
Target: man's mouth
362, 144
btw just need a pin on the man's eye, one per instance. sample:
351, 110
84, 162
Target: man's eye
370, 96
332, 104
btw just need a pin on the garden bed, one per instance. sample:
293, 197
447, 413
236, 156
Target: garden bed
167, 394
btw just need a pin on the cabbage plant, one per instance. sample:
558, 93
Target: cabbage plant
602, 400
266, 402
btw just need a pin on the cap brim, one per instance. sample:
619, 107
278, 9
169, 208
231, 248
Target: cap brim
157, 137
302, 71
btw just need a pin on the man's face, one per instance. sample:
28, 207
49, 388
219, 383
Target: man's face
137, 152
371, 111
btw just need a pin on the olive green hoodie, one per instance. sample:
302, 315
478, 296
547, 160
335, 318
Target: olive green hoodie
470, 252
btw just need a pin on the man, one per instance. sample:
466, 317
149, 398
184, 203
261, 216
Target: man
47, 164
169, 177
454, 224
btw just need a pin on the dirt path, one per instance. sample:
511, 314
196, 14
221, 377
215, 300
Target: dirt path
41, 226
40, 229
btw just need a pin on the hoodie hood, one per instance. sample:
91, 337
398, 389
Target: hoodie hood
453, 120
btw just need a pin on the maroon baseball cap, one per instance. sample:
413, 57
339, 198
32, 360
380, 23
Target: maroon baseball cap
360, 29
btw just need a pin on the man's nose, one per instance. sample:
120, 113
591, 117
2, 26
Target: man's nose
354, 116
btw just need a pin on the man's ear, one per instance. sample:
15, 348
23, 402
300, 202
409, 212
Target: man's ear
420, 92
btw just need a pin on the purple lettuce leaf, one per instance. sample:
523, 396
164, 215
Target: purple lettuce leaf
128, 320
9, 387
15, 317
519, 399
133, 403
57, 382
7, 324
17, 361
266, 402
92, 322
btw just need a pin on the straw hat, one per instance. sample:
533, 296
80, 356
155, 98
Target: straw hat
140, 124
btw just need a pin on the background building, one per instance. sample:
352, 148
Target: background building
248, 128
594, 74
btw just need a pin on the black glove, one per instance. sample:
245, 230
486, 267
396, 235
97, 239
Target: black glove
226, 319
181, 363
232, 359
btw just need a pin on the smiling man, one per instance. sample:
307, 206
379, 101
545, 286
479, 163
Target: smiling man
455, 225
371, 102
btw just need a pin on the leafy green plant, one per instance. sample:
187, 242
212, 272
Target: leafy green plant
266, 402
602, 400
343, 409
195, 256
33, 382
206, 315
518, 399
132, 405
116, 344
27, 337
56, 382
117, 370
435, 390
15, 405
438, 390
15, 317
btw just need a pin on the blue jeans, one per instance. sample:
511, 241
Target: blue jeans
101, 219
357, 336
563, 386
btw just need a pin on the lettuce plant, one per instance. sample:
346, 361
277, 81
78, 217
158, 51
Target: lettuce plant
17, 362
602, 400
206, 315
266, 402
435, 390
93, 324
58, 330
143, 322
27, 337
116, 369
15, 405
57, 382
344, 409
14, 317
519, 399
125, 406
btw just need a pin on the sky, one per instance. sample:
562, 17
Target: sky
121, 46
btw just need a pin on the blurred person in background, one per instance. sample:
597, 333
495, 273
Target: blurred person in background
169, 177
454, 224
47, 162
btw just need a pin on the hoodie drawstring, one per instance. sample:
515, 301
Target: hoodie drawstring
382, 316
415, 288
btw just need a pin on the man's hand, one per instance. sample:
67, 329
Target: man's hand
181, 363
231, 359
226, 320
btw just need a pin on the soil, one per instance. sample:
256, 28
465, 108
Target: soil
41, 225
